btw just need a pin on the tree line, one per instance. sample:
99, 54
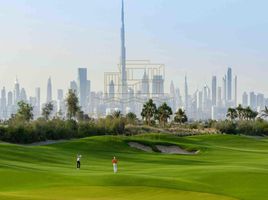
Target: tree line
151, 114
244, 120
21, 128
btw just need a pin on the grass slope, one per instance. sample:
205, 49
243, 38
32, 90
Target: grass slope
227, 168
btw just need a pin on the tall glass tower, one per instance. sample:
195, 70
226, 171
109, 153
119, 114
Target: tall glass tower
82, 87
229, 84
123, 56
49, 90
214, 90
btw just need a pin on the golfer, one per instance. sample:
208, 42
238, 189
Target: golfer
78, 164
114, 162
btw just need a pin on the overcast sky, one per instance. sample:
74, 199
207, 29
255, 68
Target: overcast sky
53, 38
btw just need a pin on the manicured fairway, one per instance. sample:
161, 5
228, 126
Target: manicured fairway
227, 168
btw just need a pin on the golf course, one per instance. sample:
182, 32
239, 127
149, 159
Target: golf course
224, 167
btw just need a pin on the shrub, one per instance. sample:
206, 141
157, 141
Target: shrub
227, 127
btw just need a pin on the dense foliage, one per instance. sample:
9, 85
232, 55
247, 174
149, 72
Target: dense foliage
257, 127
21, 128
56, 129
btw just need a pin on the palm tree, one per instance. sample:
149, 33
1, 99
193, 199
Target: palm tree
250, 114
180, 116
148, 111
232, 114
264, 113
131, 118
117, 114
240, 112
164, 112
47, 110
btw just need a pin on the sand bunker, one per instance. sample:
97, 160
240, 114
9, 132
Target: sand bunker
162, 149
174, 150
140, 146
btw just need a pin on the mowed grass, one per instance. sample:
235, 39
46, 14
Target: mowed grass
227, 168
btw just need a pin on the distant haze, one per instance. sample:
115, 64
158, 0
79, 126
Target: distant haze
53, 38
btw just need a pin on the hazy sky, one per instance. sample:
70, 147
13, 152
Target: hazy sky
200, 38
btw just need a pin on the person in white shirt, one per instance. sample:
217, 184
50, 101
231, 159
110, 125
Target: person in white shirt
78, 163
114, 162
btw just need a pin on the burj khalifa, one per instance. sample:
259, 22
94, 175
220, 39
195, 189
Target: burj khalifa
123, 57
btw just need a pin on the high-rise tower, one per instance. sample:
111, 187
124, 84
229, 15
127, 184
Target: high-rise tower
186, 100
16, 91
214, 90
82, 87
229, 84
49, 90
235, 91
123, 55
145, 87
224, 89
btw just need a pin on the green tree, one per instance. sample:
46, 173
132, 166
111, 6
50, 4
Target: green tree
72, 105
59, 114
81, 116
240, 112
232, 113
264, 113
47, 110
117, 114
180, 116
131, 118
250, 114
25, 111
163, 113
148, 111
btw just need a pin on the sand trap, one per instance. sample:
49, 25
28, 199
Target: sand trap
174, 150
161, 148
140, 146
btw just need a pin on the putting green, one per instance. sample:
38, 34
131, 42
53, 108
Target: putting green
227, 167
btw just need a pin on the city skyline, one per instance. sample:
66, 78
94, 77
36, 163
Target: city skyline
42, 47
206, 102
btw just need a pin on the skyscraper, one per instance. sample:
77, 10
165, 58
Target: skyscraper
245, 99
214, 90
178, 98
111, 89
145, 87
123, 55
49, 90
9, 98
235, 90
229, 84
186, 101
82, 86
23, 95
3, 98
74, 87
219, 101
260, 101
172, 89
200, 101
173, 96
224, 90
60, 95
17, 91
88, 89
38, 101
253, 100
158, 85
3, 103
